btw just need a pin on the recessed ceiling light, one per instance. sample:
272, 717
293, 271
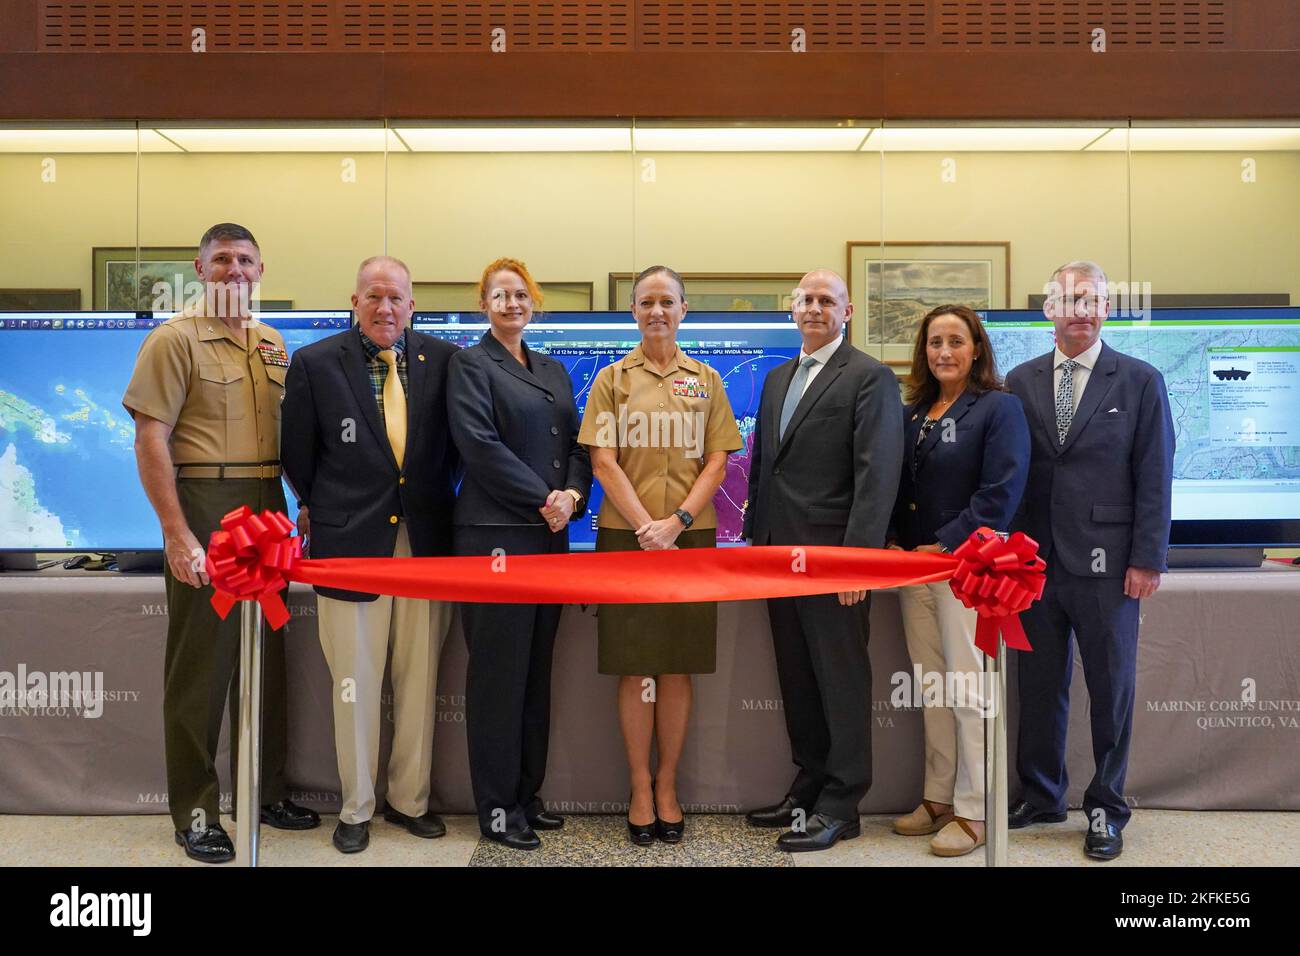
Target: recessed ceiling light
82, 141
516, 139
757, 139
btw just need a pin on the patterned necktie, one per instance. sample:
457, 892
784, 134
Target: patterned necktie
1065, 399
797, 386
394, 406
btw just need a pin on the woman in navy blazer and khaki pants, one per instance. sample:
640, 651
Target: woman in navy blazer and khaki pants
515, 423
966, 459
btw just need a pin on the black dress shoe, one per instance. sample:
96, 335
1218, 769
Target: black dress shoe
211, 845
524, 839
428, 826
670, 832
822, 833
781, 815
1106, 845
1023, 814
352, 837
642, 834
287, 815
541, 820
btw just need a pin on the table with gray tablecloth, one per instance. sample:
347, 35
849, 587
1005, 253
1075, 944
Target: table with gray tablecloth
1217, 720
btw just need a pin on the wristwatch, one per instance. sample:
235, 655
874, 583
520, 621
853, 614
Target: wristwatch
577, 498
684, 517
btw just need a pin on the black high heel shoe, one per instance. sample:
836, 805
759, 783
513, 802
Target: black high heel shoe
670, 832
642, 834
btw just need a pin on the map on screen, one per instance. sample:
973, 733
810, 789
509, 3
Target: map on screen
1233, 377
68, 476
742, 346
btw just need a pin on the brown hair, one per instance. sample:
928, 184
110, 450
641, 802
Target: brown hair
922, 386
505, 264
653, 270
226, 232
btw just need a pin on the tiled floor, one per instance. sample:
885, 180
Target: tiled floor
1153, 838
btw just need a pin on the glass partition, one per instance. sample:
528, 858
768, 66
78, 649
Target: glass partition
67, 193
981, 215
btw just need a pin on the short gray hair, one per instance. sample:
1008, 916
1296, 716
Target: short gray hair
384, 260
1084, 267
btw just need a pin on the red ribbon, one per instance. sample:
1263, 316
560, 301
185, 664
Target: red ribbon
250, 559
253, 557
998, 579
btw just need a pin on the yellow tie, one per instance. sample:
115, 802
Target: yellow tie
394, 406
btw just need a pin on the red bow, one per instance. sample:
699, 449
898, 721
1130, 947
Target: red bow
249, 559
999, 579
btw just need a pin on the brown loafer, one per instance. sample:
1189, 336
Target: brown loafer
924, 819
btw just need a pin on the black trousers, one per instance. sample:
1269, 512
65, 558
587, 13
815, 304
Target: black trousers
508, 683
825, 675
1096, 612
201, 668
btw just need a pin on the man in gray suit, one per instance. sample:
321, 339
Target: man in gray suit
823, 470
1098, 503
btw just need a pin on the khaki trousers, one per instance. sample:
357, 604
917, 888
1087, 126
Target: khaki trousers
357, 638
941, 639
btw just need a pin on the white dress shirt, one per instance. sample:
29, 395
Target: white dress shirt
1082, 371
821, 357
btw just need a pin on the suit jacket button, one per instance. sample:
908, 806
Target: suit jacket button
392, 519
554, 430
776, 471
911, 506
556, 463
401, 480
550, 398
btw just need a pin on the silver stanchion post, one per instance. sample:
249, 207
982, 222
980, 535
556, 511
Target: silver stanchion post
995, 759
248, 801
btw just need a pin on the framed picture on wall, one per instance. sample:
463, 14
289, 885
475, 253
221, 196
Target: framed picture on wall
720, 291
118, 286
40, 300
894, 284
463, 296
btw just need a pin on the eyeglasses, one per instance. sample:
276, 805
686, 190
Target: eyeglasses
1074, 304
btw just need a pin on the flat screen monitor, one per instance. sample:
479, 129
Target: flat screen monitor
742, 346
1233, 376
68, 479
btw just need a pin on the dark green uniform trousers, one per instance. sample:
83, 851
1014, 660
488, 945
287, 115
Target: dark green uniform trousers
202, 667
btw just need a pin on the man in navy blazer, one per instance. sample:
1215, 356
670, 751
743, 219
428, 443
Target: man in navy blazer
366, 446
1098, 503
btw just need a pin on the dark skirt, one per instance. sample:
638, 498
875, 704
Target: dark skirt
653, 639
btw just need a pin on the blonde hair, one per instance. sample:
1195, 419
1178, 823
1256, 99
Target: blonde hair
506, 264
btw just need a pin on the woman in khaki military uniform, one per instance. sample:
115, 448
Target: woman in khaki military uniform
659, 427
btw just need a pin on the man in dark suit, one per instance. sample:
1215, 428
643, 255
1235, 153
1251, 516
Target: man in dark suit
824, 468
366, 447
1098, 503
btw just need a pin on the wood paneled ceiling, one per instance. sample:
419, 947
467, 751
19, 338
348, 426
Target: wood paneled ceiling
313, 59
